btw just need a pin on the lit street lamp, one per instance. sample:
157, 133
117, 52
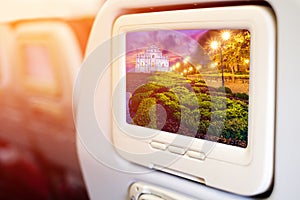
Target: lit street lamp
246, 62
215, 45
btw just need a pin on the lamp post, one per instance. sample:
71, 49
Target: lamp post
247, 61
215, 45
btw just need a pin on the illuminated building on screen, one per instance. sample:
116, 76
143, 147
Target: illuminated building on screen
151, 61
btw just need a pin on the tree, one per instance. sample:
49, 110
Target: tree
235, 51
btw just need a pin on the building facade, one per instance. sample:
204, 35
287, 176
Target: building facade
151, 61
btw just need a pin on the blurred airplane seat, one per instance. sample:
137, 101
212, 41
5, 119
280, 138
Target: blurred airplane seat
39, 60
41, 50
12, 104
49, 57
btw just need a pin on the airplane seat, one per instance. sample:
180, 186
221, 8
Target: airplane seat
49, 57
12, 106
41, 48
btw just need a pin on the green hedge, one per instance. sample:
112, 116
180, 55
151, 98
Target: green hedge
189, 106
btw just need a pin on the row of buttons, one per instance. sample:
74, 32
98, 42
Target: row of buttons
178, 150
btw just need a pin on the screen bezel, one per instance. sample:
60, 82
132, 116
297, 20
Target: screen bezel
259, 153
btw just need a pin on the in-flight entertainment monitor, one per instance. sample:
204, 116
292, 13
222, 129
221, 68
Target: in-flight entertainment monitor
194, 96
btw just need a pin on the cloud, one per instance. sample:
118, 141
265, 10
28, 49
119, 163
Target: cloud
175, 44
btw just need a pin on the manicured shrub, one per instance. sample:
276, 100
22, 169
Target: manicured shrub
205, 114
174, 104
218, 103
203, 97
203, 126
236, 129
242, 96
135, 101
180, 91
227, 90
215, 128
205, 105
146, 113
147, 87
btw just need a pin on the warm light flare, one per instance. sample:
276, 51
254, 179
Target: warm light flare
199, 67
214, 45
226, 35
246, 61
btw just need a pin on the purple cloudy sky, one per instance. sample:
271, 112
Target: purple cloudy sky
175, 44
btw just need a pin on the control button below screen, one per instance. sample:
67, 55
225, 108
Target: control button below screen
196, 155
149, 197
158, 145
176, 150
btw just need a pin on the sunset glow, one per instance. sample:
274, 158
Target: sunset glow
171, 43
